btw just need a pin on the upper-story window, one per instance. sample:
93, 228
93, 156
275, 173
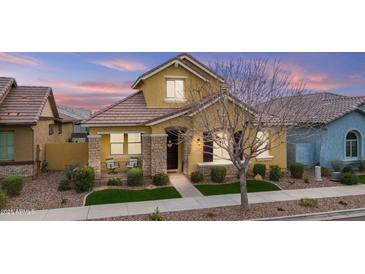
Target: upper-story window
175, 89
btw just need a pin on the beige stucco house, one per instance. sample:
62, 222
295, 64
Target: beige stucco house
29, 120
150, 123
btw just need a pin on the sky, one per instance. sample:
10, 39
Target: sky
96, 80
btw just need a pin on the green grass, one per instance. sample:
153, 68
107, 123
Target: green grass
252, 186
361, 179
111, 196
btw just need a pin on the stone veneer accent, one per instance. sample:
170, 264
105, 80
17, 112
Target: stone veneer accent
146, 154
158, 153
231, 170
154, 157
21, 170
95, 154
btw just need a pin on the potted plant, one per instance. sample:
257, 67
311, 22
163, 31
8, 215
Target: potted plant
336, 173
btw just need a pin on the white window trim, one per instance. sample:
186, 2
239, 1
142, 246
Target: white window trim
140, 142
265, 158
359, 147
110, 143
175, 99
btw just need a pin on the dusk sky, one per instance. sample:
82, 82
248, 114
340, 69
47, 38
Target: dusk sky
95, 80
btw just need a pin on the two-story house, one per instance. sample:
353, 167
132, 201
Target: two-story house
149, 123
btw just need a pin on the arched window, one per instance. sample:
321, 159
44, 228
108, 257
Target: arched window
352, 145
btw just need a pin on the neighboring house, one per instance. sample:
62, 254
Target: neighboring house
28, 120
336, 131
76, 116
148, 124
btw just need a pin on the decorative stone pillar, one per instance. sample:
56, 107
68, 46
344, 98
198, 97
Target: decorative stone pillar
146, 154
187, 139
95, 154
158, 153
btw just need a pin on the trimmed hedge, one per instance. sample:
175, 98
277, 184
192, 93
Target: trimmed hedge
275, 173
2, 200
161, 179
135, 177
297, 170
12, 185
196, 177
349, 178
114, 182
218, 174
259, 169
83, 178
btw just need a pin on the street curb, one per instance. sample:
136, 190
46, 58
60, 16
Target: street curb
318, 216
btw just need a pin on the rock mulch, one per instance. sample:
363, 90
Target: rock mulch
42, 193
234, 213
289, 183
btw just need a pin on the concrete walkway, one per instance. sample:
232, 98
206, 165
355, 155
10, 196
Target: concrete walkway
125, 209
184, 186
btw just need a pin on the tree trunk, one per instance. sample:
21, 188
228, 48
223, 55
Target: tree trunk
243, 188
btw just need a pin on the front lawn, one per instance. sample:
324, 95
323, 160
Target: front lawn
252, 186
361, 179
111, 196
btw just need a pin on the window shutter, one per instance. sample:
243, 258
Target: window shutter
237, 137
208, 148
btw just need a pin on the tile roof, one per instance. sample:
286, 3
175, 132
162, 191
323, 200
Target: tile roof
77, 113
321, 108
5, 85
24, 105
132, 110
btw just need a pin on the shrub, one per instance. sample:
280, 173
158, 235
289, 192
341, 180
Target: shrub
218, 174
83, 178
155, 216
12, 185
114, 182
308, 202
275, 173
349, 179
135, 176
306, 179
336, 165
259, 169
325, 172
348, 169
69, 169
2, 200
196, 177
160, 179
64, 185
297, 170
361, 165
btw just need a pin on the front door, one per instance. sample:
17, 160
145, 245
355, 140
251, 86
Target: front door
172, 151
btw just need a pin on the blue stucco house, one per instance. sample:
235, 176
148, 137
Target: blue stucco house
338, 132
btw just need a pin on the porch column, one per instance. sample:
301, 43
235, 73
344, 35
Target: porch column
186, 151
158, 153
146, 154
95, 154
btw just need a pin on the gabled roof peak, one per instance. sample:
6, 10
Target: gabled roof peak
185, 60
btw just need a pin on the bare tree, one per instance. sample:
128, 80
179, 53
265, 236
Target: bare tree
249, 114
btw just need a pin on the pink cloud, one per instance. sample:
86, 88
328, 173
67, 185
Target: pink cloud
18, 59
120, 64
90, 85
319, 81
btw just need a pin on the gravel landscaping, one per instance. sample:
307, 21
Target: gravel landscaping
289, 183
234, 213
42, 193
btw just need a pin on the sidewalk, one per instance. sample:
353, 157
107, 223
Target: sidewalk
184, 186
125, 209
